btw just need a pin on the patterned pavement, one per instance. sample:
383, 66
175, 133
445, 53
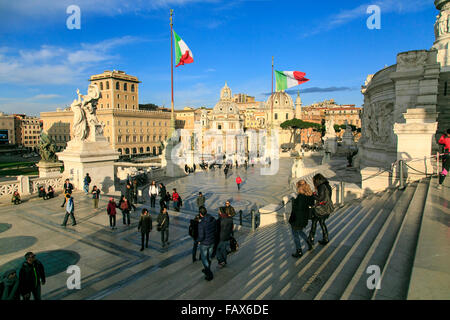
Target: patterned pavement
111, 259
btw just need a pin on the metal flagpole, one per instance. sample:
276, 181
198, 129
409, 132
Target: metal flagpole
172, 114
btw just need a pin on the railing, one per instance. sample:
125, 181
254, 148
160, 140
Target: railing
27, 185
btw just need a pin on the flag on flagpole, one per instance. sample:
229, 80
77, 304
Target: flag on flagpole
182, 52
288, 79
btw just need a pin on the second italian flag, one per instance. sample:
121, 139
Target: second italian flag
288, 79
183, 54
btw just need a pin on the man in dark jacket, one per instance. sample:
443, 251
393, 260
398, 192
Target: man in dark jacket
229, 210
200, 200
9, 286
130, 195
193, 232
145, 226
163, 195
31, 276
206, 239
225, 230
68, 188
163, 226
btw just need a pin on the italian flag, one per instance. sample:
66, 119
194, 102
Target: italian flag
182, 52
288, 79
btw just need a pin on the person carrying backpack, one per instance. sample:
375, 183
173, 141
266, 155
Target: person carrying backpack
111, 210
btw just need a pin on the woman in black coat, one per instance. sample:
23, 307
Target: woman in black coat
300, 215
321, 196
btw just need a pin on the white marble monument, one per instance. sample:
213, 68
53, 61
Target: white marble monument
89, 151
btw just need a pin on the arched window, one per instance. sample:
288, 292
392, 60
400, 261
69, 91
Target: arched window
127, 151
276, 116
134, 151
119, 150
159, 150
132, 87
154, 151
125, 87
117, 85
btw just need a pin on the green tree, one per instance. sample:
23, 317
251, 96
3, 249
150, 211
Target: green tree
296, 124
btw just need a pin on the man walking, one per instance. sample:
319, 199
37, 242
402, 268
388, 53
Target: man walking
163, 194
229, 210
163, 226
238, 182
111, 210
225, 232
193, 232
70, 209
68, 187
87, 181
200, 200
176, 200
31, 276
145, 226
153, 193
206, 239
129, 196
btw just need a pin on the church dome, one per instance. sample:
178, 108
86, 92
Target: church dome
281, 100
226, 104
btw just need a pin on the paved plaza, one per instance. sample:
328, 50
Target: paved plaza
110, 259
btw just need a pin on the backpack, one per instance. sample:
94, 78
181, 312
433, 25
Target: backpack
234, 246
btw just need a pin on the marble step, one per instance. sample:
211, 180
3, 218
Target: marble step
397, 271
313, 279
269, 282
352, 271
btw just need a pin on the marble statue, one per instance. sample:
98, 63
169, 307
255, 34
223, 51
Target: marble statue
85, 121
47, 148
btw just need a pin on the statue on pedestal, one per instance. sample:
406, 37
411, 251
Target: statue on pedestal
85, 123
47, 148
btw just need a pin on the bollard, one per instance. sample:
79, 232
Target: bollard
240, 217
253, 219
402, 185
341, 189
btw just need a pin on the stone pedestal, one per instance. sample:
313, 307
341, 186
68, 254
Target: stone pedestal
93, 157
375, 179
331, 144
415, 139
49, 169
170, 161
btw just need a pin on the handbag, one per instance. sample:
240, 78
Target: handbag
325, 208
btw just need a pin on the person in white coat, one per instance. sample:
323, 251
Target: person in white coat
153, 193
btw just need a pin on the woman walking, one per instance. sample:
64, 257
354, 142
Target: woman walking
111, 210
300, 215
176, 200
145, 226
163, 226
162, 194
323, 207
125, 207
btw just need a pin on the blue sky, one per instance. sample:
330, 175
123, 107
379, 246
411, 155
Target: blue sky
42, 62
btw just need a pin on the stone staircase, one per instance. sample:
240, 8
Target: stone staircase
380, 230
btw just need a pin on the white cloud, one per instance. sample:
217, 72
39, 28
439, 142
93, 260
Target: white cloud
56, 65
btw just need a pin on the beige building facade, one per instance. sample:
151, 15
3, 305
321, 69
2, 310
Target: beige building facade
129, 130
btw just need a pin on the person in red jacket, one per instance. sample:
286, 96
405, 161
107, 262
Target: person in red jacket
238, 182
111, 210
444, 140
176, 200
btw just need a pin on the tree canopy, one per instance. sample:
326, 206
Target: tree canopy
296, 124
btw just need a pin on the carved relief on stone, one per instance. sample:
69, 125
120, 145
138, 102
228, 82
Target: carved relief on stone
411, 60
441, 26
378, 123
